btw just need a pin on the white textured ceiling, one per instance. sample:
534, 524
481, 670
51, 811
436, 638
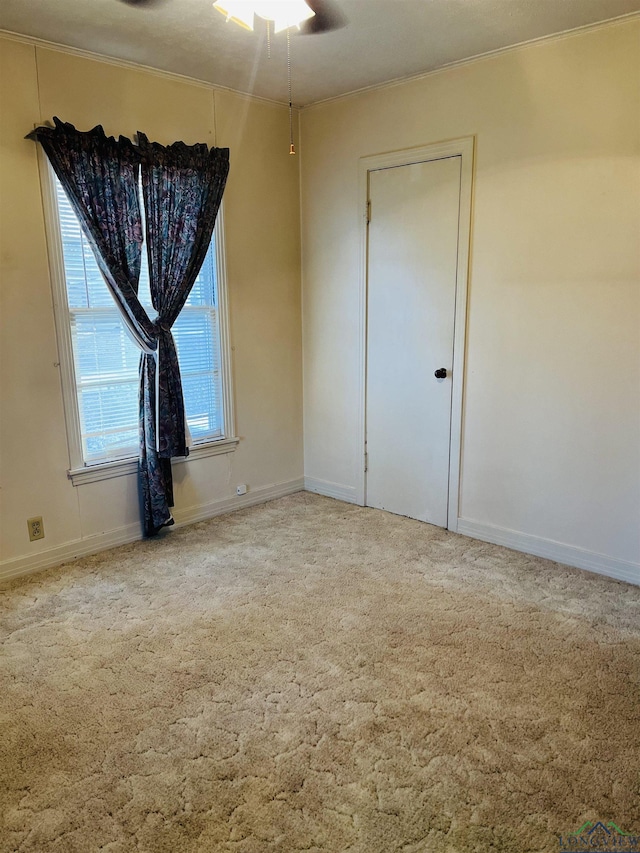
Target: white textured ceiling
384, 39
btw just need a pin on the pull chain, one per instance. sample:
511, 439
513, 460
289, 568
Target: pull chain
292, 149
268, 39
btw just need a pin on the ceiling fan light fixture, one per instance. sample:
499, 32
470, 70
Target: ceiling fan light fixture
282, 13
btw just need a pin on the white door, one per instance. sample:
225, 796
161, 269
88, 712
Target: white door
412, 268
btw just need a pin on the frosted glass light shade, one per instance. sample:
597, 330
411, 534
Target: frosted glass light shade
283, 13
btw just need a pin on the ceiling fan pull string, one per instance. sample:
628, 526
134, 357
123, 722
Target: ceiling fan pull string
268, 39
292, 149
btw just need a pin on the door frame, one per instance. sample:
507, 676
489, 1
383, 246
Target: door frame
465, 149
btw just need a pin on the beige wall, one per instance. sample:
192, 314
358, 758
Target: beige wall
552, 412
551, 430
263, 265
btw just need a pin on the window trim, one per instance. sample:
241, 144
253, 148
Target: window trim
129, 465
79, 471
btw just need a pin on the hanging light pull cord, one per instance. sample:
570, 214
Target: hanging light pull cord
292, 148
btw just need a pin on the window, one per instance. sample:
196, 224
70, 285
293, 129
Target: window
102, 377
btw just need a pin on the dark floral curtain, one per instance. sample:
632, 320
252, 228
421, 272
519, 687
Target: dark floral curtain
183, 187
100, 177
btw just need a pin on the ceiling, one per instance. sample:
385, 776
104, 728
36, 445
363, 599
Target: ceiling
384, 39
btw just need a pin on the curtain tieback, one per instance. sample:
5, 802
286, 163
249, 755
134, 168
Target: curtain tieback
160, 326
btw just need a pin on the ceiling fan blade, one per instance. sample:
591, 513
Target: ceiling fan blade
141, 4
328, 17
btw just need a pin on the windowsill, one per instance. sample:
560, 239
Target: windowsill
123, 467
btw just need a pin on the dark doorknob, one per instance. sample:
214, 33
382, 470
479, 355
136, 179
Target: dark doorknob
441, 373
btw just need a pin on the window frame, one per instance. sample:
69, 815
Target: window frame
79, 471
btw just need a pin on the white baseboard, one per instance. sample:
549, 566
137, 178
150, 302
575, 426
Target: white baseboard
202, 512
557, 551
331, 490
551, 550
133, 532
26, 565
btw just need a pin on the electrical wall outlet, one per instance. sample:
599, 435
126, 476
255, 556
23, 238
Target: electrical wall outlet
242, 489
36, 528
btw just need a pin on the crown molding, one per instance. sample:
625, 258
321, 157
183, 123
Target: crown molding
387, 84
135, 66
479, 57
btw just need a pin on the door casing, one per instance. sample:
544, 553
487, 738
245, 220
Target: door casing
465, 148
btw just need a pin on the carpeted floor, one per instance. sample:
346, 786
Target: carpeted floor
307, 675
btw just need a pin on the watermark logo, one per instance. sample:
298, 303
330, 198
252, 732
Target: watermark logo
598, 838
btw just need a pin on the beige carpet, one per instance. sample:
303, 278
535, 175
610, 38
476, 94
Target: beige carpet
308, 675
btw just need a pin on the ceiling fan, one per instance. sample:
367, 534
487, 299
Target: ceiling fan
326, 18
